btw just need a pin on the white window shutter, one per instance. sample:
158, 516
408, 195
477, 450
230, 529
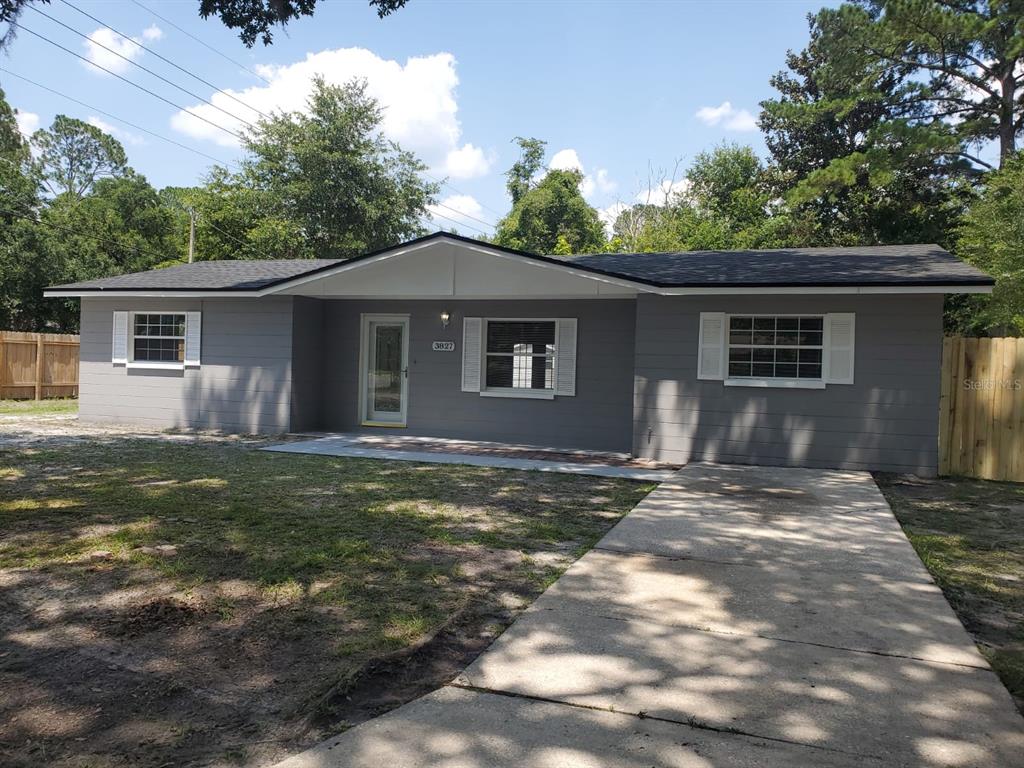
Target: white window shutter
711, 346
839, 344
565, 357
193, 337
119, 343
471, 353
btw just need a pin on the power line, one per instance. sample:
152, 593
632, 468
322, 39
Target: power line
119, 119
165, 59
458, 191
455, 221
247, 246
205, 45
136, 64
465, 215
136, 85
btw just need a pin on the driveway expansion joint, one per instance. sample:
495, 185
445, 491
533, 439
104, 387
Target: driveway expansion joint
642, 715
924, 578
727, 633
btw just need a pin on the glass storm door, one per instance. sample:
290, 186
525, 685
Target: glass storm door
385, 369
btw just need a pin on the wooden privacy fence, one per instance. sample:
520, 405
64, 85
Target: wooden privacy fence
38, 365
981, 408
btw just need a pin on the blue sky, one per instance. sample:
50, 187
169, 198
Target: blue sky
614, 87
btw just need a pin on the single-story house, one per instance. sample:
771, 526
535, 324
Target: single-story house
822, 357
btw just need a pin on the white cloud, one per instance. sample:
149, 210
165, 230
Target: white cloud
98, 43
118, 133
609, 214
456, 210
566, 160
597, 181
418, 98
728, 117
466, 162
604, 183
28, 123
664, 192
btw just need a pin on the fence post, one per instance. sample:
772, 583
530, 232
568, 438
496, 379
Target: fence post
40, 360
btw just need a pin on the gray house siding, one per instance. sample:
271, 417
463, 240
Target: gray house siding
599, 417
307, 364
243, 385
886, 420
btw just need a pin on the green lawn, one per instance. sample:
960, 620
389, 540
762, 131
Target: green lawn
970, 535
38, 407
290, 578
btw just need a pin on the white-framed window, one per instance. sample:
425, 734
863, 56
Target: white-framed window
782, 347
532, 357
519, 355
158, 337
805, 350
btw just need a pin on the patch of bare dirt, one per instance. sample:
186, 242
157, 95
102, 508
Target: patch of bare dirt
105, 668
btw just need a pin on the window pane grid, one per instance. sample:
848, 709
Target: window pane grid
158, 337
520, 354
776, 347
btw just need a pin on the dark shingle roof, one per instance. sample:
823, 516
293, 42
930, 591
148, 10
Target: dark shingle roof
878, 265
238, 275
886, 265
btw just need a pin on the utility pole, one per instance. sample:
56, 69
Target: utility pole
191, 234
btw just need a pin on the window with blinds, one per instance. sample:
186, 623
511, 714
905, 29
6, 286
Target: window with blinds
520, 355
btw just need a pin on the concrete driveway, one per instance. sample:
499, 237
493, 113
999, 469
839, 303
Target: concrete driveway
739, 616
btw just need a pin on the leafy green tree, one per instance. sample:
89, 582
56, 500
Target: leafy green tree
726, 203
255, 19
121, 226
855, 151
326, 184
525, 171
552, 218
960, 61
103, 220
992, 238
73, 155
19, 202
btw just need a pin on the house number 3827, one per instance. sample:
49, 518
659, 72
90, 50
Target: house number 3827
443, 346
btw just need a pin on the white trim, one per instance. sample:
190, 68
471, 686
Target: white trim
822, 290
834, 350
155, 365
786, 290
779, 383
525, 394
471, 356
723, 320
120, 319
366, 419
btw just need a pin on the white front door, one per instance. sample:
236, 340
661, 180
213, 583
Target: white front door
384, 374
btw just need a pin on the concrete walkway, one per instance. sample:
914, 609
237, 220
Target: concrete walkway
736, 617
353, 447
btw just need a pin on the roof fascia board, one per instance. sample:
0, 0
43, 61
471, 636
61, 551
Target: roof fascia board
825, 289
695, 291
